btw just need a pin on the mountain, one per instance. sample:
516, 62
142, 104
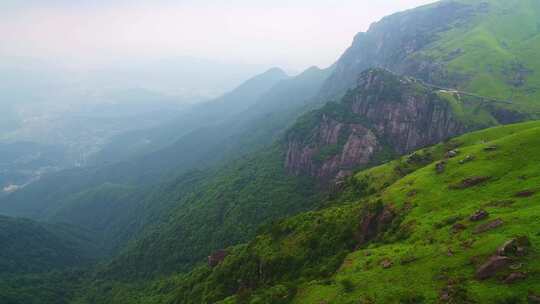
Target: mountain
483, 47
141, 142
96, 197
458, 217
383, 116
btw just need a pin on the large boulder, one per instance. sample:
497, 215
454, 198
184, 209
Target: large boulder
479, 215
514, 277
492, 266
514, 247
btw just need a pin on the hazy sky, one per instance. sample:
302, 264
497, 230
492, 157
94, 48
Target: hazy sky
292, 34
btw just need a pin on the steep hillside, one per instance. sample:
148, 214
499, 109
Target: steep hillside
141, 142
244, 132
487, 47
383, 116
97, 197
453, 223
225, 209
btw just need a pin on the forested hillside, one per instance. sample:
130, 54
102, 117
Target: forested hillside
97, 197
30, 247
460, 217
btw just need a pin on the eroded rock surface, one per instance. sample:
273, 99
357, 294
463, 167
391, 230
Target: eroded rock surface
385, 113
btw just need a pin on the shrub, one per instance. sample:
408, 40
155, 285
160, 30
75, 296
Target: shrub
347, 285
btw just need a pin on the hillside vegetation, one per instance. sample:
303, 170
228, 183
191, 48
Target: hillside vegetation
430, 223
31, 247
39, 263
495, 53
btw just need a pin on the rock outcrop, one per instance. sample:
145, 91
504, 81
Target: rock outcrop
492, 266
394, 43
385, 113
374, 222
479, 215
358, 148
506, 254
217, 258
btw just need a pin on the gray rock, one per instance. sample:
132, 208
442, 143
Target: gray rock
479, 215
514, 277
467, 159
452, 153
440, 166
492, 266
489, 226
514, 247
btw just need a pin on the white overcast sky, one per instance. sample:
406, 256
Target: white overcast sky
289, 33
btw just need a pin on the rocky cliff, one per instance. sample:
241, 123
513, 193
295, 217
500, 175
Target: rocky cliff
384, 115
381, 114
395, 43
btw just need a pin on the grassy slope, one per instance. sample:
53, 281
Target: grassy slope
513, 168
313, 257
297, 260
508, 33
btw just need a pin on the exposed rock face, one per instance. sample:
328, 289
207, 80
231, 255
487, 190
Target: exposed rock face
217, 258
392, 43
400, 110
374, 222
384, 112
360, 145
